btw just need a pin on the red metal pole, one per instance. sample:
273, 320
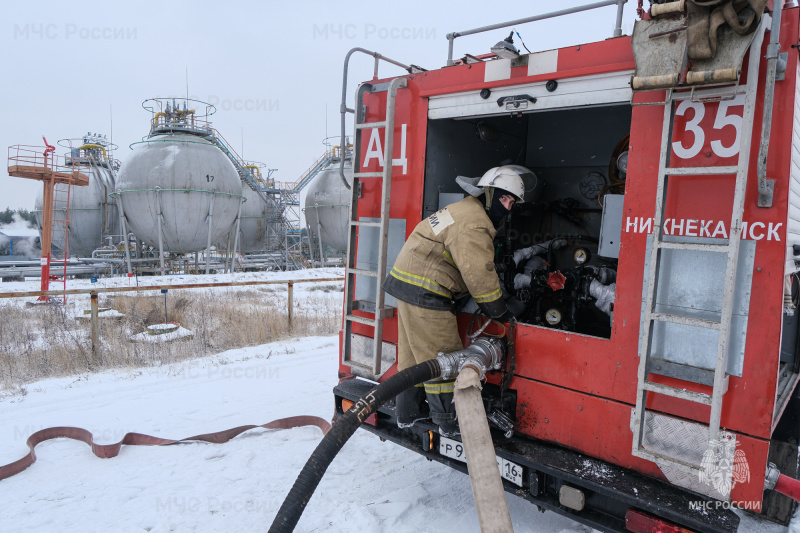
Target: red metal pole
47, 228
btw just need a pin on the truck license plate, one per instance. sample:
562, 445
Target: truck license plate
455, 450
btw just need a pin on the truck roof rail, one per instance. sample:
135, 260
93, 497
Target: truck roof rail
617, 28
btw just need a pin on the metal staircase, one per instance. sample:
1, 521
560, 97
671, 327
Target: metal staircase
351, 270
289, 211
285, 195
312, 171
656, 280
289, 200
238, 163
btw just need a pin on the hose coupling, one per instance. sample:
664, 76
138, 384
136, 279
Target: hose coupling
485, 354
771, 477
501, 421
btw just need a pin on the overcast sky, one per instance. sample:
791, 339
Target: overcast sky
273, 69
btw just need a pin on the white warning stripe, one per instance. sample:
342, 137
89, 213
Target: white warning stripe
497, 69
538, 63
543, 63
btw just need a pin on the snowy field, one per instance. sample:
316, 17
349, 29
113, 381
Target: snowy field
370, 487
238, 486
45, 342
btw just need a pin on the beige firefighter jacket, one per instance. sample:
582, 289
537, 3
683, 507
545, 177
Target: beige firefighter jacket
449, 254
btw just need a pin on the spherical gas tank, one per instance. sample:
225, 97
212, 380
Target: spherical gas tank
327, 205
259, 221
184, 178
92, 212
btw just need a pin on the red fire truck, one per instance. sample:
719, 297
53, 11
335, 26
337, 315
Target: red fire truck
651, 380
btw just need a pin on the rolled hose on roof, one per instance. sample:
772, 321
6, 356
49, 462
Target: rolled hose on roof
306, 483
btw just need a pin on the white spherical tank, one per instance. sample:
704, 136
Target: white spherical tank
258, 220
258, 223
186, 179
327, 205
92, 212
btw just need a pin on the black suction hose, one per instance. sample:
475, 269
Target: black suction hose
302, 490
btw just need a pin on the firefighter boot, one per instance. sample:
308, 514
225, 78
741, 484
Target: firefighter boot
443, 410
410, 407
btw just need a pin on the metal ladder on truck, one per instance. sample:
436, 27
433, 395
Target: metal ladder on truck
729, 247
380, 311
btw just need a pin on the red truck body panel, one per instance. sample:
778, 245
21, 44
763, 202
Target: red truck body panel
578, 390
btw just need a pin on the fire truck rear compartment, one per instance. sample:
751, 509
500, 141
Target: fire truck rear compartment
573, 152
610, 491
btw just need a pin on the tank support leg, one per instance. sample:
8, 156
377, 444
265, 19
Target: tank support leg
236, 237
160, 217
124, 226
208, 243
319, 239
227, 263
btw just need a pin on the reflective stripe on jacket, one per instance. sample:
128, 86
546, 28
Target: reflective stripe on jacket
449, 254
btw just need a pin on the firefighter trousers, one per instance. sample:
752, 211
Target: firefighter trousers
421, 335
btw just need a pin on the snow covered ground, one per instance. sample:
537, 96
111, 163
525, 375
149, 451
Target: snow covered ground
237, 486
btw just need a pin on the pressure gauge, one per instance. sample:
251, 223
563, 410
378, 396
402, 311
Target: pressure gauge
622, 162
553, 317
581, 256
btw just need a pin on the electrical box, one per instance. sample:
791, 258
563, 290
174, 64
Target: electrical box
611, 226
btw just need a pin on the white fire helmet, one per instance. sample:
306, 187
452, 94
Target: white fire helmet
510, 178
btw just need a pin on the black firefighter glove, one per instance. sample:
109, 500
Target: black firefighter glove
515, 307
514, 310
503, 311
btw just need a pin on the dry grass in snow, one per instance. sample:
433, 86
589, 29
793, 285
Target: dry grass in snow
48, 341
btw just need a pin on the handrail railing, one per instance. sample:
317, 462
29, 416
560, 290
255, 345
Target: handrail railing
173, 118
294, 187
268, 185
312, 171
185, 122
617, 29
238, 161
34, 156
139, 288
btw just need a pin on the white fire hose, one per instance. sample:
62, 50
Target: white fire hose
469, 364
487, 485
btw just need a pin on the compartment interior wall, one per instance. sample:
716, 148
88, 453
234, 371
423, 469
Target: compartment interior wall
570, 151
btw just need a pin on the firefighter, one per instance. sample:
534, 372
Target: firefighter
448, 255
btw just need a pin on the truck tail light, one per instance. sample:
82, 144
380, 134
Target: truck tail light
638, 522
372, 419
